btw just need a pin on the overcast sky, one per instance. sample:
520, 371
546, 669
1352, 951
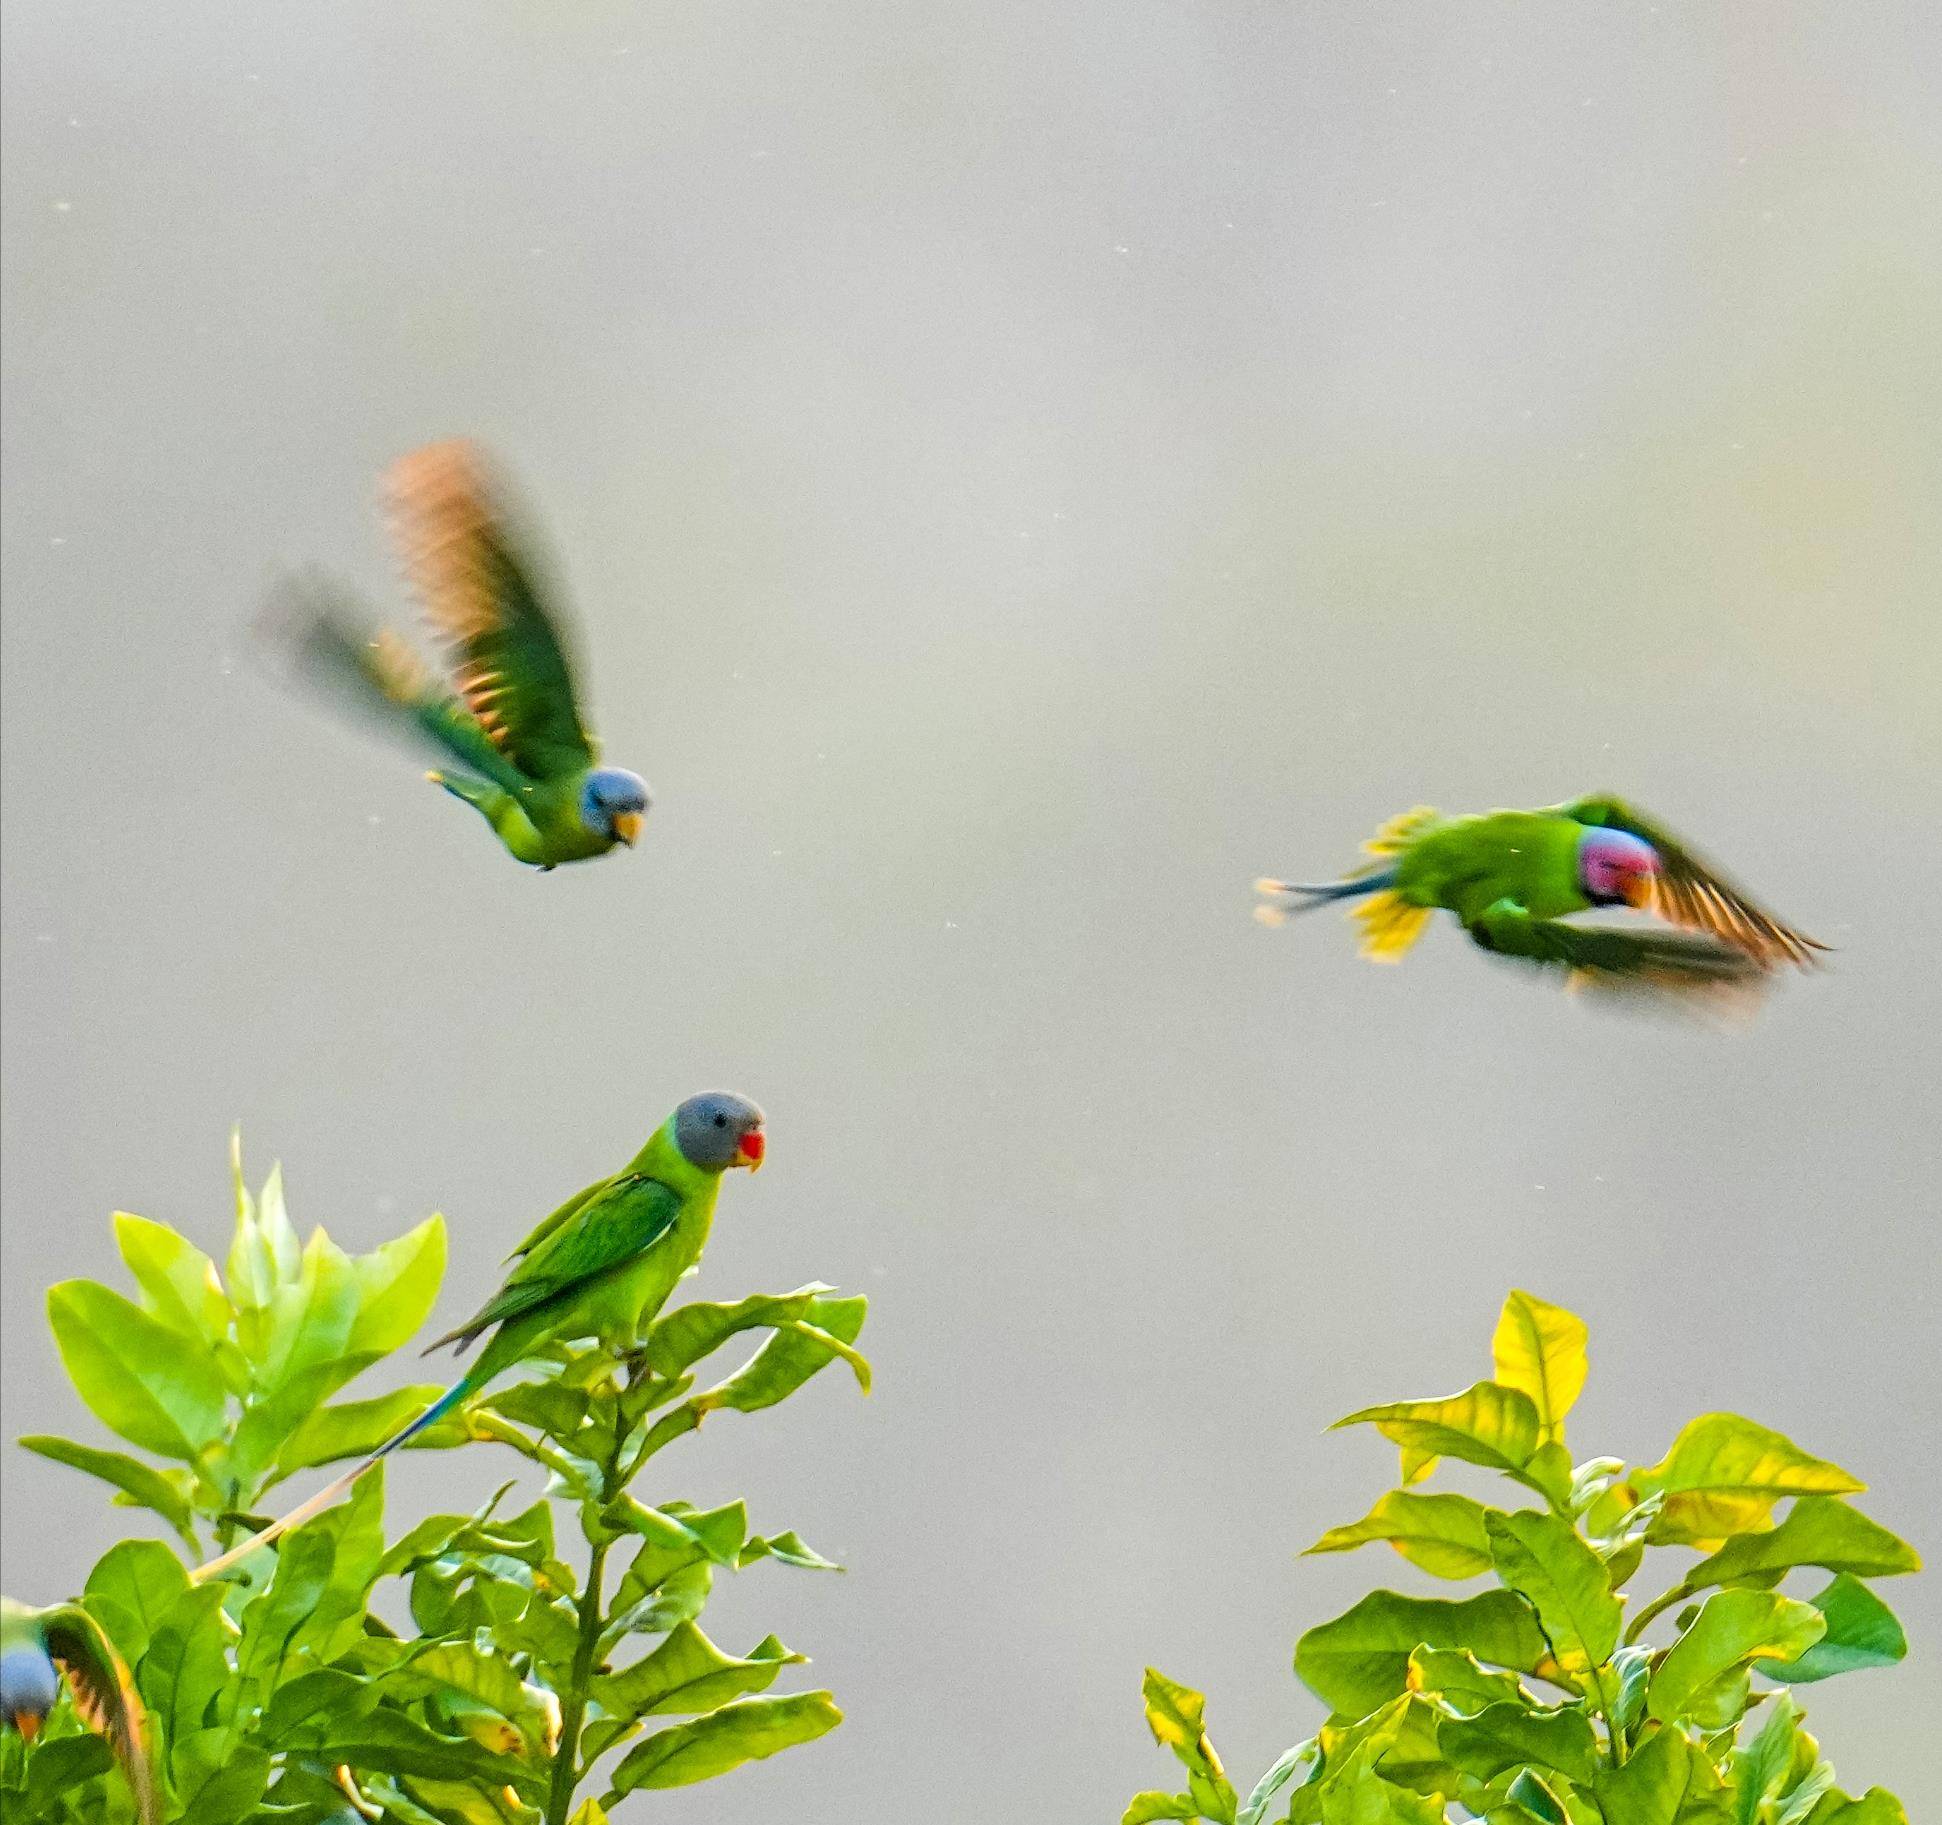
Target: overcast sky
1022, 468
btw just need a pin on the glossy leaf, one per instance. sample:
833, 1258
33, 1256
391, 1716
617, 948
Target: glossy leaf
143, 1485
1146, 1808
1176, 1715
1539, 1349
1290, 1771
1861, 1632
355, 1428
1487, 1424
1360, 1661
137, 1376
1443, 1534
1724, 1474
1542, 1558
790, 1357
688, 1673
750, 1730
1461, 1681
1820, 1530
788, 1548
180, 1282
131, 1591
1666, 1782
683, 1337
1507, 1736
1732, 1628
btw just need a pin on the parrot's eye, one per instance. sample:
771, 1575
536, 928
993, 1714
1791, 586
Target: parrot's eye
721, 1121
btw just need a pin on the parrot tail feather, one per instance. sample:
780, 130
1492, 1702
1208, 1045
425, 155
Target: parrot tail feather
1390, 925
1281, 900
324, 1497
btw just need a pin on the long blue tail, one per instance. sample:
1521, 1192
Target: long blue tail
1283, 899
329, 1494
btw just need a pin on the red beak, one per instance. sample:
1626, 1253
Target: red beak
751, 1149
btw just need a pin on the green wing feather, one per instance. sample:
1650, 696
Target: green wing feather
621, 1219
1643, 963
509, 661
1691, 893
104, 1696
547, 1225
331, 645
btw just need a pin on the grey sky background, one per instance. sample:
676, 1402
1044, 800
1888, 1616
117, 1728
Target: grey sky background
1022, 470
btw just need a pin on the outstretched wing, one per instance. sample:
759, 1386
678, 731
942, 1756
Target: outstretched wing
1694, 895
508, 660
1652, 965
104, 1695
315, 626
624, 1218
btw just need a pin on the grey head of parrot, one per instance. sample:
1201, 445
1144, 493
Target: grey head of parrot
718, 1129
28, 1687
613, 803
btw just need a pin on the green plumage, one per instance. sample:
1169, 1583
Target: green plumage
508, 720
34, 1645
1512, 878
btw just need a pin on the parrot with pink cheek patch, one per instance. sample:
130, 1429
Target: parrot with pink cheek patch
1514, 877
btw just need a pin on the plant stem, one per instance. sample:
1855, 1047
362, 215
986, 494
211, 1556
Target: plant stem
573, 1703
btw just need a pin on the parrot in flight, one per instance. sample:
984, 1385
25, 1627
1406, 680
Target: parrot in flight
518, 750
1514, 877
36, 1648
600, 1266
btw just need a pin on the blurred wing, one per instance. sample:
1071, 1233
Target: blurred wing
314, 626
622, 1219
508, 661
1641, 965
104, 1695
1697, 897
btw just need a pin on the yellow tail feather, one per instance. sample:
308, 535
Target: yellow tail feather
1390, 925
1397, 835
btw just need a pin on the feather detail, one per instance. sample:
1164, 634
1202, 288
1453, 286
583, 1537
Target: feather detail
1390, 926
1401, 831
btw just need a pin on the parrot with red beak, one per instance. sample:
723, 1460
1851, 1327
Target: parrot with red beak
600, 1266
1512, 878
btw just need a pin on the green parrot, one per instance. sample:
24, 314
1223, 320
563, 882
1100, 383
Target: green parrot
600, 1266
1514, 877
524, 759
36, 1648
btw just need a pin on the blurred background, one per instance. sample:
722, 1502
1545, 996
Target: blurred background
1022, 470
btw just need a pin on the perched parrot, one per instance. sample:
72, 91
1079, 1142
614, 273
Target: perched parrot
524, 760
1513, 877
600, 1266
36, 1647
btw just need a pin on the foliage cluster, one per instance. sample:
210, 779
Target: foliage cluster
1538, 1702
284, 1695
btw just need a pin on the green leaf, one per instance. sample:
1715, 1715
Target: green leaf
788, 1549
1875, 1807
1487, 1424
790, 1357
1460, 1681
1145, 1808
1861, 1632
1724, 1474
396, 1287
135, 1373
145, 1487
688, 1673
1539, 1349
131, 1591
681, 1338
1291, 1770
1541, 1556
467, 1679
1360, 1661
185, 1671
1666, 1782
1443, 1534
1505, 1736
749, 1730
1732, 1627
1176, 1715
182, 1287
1531, 1793
1820, 1530
356, 1428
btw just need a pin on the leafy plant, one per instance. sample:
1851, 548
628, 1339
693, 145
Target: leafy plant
285, 1695
1538, 1702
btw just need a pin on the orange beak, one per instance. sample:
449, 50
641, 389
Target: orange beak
752, 1149
1639, 889
28, 1724
627, 826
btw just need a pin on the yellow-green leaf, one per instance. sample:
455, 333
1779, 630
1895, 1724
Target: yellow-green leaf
1486, 1424
1505, 1736
1820, 1530
750, 1730
1444, 1534
1724, 1474
138, 1376
1732, 1627
1541, 1557
178, 1279
1176, 1715
1360, 1661
1540, 1350
1861, 1632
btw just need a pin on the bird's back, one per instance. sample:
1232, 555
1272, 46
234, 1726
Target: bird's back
1467, 864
